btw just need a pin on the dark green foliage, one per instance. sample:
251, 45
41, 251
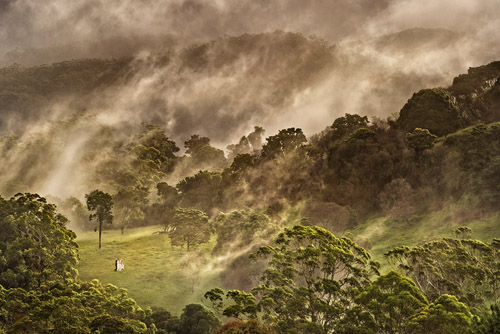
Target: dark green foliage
478, 151
159, 213
346, 124
475, 79
203, 190
432, 109
315, 282
312, 279
477, 93
285, 142
238, 228
281, 167
489, 323
465, 268
35, 246
356, 170
137, 163
203, 155
25, 91
309, 286
392, 300
155, 152
463, 232
195, 143
190, 227
129, 205
242, 162
162, 212
101, 203
209, 156
361, 134
38, 290
71, 307
167, 193
106, 324
420, 140
196, 319
444, 316
244, 304
489, 102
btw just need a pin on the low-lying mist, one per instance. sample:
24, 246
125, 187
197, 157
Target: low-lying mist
195, 78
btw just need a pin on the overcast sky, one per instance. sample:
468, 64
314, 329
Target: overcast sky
39, 24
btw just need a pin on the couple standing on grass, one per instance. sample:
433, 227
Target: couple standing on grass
119, 266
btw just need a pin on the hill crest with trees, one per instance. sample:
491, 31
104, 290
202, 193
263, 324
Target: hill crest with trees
286, 199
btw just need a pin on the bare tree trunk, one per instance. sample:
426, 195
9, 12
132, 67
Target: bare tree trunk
100, 230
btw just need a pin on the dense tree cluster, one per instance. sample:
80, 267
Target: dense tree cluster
39, 289
465, 268
71, 306
366, 169
312, 281
315, 282
35, 246
318, 283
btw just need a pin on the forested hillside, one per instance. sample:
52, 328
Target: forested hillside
222, 78
368, 226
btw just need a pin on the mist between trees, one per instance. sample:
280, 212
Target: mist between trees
282, 198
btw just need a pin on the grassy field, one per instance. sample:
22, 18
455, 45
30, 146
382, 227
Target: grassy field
382, 234
156, 274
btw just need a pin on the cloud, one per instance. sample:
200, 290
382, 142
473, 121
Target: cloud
369, 57
29, 24
34, 24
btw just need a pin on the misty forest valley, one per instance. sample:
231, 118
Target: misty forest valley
250, 167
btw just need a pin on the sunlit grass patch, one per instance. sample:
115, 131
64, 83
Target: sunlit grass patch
156, 274
382, 234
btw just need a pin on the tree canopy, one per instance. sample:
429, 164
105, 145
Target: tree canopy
35, 246
190, 227
465, 268
310, 285
102, 204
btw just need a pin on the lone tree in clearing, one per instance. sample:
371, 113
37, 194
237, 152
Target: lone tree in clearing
190, 227
101, 203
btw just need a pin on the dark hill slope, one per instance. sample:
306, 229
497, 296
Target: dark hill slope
221, 83
472, 98
26, 91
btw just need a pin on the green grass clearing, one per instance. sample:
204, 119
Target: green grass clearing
156, 274
379, 235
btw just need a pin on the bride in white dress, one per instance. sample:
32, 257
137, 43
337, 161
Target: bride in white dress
120, 265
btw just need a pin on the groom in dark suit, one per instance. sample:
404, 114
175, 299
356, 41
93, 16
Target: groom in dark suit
116, 264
